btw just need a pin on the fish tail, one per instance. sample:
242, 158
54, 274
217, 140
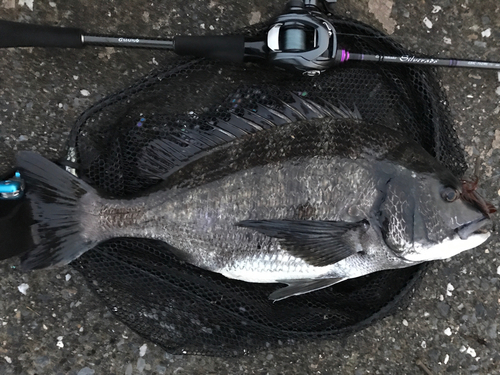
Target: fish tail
54, 197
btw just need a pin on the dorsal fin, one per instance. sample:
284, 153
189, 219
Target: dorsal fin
163, 156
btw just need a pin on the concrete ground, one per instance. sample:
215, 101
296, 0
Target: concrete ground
57, 326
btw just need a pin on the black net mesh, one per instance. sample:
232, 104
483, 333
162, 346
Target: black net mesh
188, 310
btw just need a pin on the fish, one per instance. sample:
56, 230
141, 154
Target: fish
307, 204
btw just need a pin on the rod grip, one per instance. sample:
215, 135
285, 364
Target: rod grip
17, 34
220, 47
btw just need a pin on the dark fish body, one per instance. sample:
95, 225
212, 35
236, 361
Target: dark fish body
308, 204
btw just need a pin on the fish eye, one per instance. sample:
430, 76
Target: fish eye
449, 194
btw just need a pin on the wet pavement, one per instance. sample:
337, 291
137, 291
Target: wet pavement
50, 322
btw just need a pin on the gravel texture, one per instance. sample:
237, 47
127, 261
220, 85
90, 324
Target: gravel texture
50, 323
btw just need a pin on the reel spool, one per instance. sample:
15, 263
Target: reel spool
302, 39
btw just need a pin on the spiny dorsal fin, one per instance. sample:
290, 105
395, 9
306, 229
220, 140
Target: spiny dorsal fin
182, 145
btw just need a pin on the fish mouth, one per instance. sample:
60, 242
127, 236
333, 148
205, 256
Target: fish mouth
480, 226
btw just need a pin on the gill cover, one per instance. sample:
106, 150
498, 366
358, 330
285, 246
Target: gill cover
397, 215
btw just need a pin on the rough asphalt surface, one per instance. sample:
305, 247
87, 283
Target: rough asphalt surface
50, 322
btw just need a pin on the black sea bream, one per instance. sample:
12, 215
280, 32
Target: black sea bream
308, 204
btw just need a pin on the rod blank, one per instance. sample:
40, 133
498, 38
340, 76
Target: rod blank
344, 56
110, 41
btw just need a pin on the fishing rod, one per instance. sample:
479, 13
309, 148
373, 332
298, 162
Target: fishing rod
301, 39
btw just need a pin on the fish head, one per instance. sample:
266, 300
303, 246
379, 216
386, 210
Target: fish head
433, 216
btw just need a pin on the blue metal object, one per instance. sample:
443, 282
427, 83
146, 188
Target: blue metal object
13, 188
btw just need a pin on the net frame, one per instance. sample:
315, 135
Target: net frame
187, 310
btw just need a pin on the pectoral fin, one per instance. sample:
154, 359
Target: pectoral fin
319, 243
298, 287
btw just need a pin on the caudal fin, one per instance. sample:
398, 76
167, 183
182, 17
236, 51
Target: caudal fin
54, 197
